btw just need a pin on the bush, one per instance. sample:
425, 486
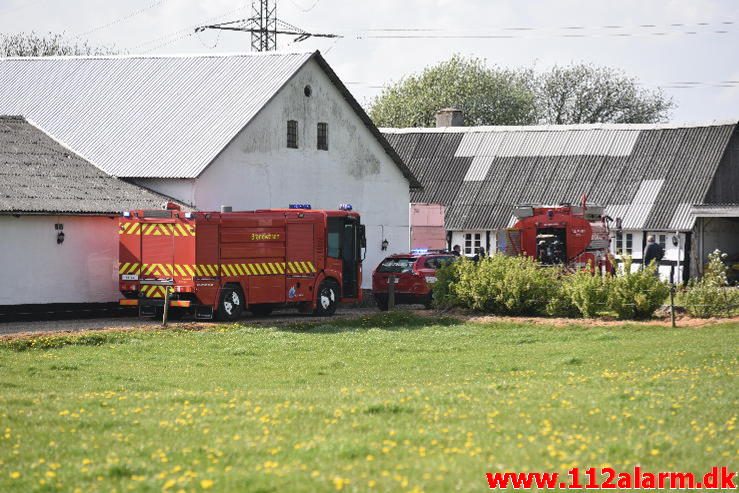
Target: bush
499, 284
446, 277
583, 294
636, 295
711, 296
505, 285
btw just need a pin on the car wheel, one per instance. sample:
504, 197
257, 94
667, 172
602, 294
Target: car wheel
327, 299
230, 305
381, 303
428, 301
260, 310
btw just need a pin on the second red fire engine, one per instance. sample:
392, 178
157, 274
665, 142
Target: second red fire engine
218, 264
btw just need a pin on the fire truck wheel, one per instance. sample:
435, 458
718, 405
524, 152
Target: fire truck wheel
230, 305
328, 295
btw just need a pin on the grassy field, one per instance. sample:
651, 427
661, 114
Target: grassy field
384, 403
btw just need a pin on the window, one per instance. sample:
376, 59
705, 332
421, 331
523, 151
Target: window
292, 134
624, 243
438, 262
471, 243
335, 228
397, 265
662, 240
323, 137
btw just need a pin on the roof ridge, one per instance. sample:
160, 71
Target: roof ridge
129, 56
561, 128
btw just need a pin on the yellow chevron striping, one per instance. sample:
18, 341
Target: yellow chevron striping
280, 267
227, 269
135, 229
199, 270
237, 268
180, 270
182, 230
123, 268
123, 228
213, 270
305, 267
312, 267
189, 270
133, 269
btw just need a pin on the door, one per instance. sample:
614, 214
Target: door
350, 256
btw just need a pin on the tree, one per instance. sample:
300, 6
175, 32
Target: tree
487, 96
51, 44
584, 93
577, 93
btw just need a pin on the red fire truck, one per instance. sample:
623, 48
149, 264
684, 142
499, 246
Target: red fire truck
218, 264
571, 236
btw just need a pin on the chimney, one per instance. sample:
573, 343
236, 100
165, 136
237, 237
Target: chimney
449, 117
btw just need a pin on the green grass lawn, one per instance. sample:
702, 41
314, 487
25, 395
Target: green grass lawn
385, 403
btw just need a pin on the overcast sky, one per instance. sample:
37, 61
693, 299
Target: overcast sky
664, 43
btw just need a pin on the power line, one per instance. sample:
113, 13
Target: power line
563, 28
177, 35
134, 13
305, 10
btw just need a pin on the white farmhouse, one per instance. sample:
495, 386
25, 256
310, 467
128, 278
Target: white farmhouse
248, 131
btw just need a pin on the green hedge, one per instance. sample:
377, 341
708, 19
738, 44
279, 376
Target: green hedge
504, 285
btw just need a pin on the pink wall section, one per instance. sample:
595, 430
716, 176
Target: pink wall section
427, 226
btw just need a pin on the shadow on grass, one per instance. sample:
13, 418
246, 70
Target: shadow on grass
393, 321
58, 341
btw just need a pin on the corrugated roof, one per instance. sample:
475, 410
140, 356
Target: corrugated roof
648, 175
154, 116
39, 175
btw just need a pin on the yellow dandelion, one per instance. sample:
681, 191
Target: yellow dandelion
15, 475
206, 484
654, 451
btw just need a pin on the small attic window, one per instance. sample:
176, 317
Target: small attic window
308, 91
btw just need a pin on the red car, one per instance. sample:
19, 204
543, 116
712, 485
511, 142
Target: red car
414, 275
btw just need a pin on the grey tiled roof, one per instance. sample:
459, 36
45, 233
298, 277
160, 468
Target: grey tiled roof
39, 175
649, 175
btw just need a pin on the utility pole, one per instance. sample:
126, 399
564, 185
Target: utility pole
264, 27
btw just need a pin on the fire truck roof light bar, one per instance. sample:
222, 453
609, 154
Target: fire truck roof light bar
345, 207
300, 206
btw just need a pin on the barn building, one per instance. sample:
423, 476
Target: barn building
58, 224
248, 131
679, 182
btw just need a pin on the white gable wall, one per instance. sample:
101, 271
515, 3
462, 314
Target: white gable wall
257, 170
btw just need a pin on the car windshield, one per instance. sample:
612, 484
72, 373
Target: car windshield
396, 265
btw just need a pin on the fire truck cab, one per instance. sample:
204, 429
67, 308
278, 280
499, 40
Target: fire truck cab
218, 264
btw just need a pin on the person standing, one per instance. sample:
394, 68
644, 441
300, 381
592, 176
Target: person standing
653, 251
457, 251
